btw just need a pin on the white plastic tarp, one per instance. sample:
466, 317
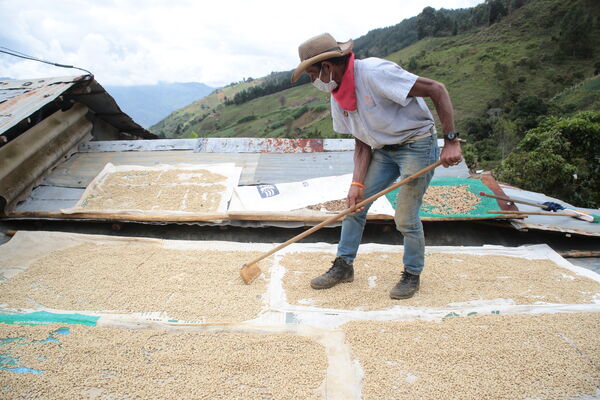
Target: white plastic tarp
296, 195
185, 177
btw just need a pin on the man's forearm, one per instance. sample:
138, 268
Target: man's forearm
443, 106
437, 92
362, 158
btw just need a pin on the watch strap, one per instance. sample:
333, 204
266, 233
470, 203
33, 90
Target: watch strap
453, 134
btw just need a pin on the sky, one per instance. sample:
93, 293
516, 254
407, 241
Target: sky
216, 42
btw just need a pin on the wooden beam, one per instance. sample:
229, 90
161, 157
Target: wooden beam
579, 253
239, 216
115, 216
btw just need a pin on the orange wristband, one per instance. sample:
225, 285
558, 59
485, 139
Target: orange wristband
357, 184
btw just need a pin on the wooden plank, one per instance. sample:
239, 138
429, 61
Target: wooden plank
296, 216
280, 217
302, 216
579, 253
521, 213
138, 145
125, 217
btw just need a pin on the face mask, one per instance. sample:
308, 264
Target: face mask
325, 87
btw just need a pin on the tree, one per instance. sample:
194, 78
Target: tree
497, 10
515, 4
442, 23
425, 22
527, 112
575, 37
560, 158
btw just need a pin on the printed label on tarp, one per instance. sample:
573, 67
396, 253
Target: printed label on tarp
267, 191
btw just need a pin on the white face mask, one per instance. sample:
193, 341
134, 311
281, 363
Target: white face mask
325, 87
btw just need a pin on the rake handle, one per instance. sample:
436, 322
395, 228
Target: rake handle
347, 211
530, 213
513, 200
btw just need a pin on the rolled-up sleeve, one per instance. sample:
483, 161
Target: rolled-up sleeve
391, 81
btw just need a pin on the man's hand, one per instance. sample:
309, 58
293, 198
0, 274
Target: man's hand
451, 153
356, 194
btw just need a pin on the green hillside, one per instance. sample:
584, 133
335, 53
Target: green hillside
583, 96
489, 72
177, 123
497, 66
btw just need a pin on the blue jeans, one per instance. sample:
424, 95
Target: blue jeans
385, 167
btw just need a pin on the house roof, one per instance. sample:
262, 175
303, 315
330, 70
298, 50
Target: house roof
21, 101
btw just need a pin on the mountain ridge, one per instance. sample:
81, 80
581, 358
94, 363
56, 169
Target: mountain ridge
487, 67
148, 104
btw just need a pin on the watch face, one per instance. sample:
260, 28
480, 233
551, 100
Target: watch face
451, 135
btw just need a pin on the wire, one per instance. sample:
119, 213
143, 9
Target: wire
27, 57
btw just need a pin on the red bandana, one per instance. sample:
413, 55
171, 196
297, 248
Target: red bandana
345, 95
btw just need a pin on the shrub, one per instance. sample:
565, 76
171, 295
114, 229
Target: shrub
247, 118
560, 158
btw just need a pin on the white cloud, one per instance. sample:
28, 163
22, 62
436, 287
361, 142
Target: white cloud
216, 42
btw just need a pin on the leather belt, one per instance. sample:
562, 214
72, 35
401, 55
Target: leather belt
392, 147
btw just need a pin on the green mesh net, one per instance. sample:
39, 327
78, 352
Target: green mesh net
474, 186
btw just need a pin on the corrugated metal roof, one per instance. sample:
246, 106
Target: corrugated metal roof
222, 145
258, 167
21, 99
105, 107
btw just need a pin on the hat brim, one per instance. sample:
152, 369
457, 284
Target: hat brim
345, 48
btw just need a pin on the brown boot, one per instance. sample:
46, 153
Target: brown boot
406, 287
339, 272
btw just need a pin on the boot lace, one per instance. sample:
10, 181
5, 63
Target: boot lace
337, 265
407, 276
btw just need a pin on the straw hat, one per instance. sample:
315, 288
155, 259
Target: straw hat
317, 49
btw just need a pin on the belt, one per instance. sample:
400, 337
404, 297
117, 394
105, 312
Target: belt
392, 147
398, 146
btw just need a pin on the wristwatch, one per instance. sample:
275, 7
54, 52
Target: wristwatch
451, 136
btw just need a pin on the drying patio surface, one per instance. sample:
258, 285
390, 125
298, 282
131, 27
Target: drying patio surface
200, 285
552, 356
447, 279
108, 317
78, 362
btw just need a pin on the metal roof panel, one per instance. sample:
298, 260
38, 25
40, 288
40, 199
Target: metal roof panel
19, 99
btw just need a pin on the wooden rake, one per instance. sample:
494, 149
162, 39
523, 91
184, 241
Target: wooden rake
250, 270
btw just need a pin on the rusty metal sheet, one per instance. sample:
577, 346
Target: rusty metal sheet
137, 145
222, 145
106, 108
31, 156
259, 145
21, 99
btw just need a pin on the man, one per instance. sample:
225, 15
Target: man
382, 106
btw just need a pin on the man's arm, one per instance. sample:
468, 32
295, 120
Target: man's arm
436, 91
362, 158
